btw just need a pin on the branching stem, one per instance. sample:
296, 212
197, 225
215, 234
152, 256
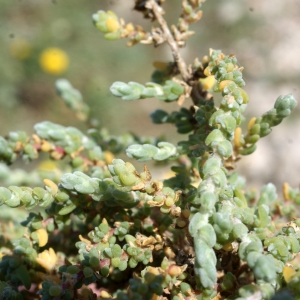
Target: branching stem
157, 10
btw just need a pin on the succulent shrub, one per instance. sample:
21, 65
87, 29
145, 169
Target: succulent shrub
104, 230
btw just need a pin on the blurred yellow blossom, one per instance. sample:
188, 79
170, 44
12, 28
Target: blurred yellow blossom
208, 82
48, 165
288, 272
108, 156
112, 24
47, 259
20, 49
54, 61
50, 169
167, 174
42, 236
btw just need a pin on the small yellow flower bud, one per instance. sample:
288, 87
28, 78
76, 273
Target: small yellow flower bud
108, 156
288, 272
237, 137
207, 72
36, 139
53, 186
84, 240
286, 195
18, 146
224, 83
174, 270
43, 236
105, 294
208, 82
112, 24
169, 252
129, 28
47, 259
47, 165
54, 61
153, 271
251, 123
57, 155
46, 146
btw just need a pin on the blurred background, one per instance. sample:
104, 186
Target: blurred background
264, 35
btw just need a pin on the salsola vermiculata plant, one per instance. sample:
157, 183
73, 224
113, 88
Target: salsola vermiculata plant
107, 231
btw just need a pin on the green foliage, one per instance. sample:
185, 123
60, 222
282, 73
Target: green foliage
171, 91
104, 227
147, 152
72, 98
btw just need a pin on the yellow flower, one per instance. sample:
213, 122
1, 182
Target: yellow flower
42, 236
251, 123
238, 137
52, 185
47, 165
20, 49
112, 25
208, 82
47, 259
224, 83
288, 272
54, 61
286, 195
108, 156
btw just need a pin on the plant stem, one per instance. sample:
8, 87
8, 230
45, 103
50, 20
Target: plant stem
157, 10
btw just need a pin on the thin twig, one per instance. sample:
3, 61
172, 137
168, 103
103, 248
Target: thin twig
170, 40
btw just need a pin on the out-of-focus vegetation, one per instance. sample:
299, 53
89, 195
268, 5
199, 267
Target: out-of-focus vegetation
261, 33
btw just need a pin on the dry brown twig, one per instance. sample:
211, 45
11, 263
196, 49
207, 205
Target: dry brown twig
158, 12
